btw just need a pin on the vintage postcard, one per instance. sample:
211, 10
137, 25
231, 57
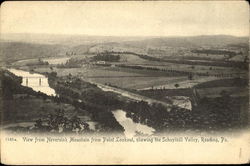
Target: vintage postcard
124, 82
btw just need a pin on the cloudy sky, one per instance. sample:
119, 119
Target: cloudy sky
127, 18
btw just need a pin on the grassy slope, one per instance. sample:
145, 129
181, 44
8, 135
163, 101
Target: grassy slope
11, 51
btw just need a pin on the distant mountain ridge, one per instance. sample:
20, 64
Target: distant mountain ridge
21, 46
74, 40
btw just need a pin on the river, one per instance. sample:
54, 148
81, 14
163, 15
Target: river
128, 94
130, 127
56, 61
39, 82
179, 101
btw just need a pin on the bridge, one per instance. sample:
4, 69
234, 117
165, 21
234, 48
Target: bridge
26, 80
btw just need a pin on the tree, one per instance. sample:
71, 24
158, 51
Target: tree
53, 74
176, 85
190, 76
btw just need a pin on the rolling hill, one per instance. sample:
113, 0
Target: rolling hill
24, 46
10, 51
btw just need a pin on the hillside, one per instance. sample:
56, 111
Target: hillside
69, 40
137, 41
217, 40
159, 42
192, 41
10, 51
25, 46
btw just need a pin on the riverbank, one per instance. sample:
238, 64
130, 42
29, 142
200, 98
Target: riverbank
98, 112
90, 101
22, 105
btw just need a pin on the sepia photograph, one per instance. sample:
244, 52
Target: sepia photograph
124, 82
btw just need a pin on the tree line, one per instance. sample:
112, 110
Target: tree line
242, 65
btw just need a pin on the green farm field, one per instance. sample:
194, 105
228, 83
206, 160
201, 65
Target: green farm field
136, 82
120, 77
